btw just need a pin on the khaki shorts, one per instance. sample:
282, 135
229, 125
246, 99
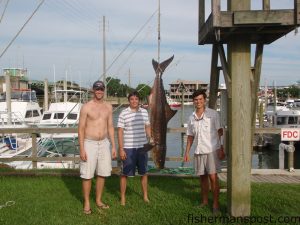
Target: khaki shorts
206, 163
98, 159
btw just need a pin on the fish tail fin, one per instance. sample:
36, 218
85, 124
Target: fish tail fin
160, 67
169, 112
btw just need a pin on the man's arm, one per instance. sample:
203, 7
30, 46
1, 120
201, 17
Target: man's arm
111, 133
122, 153
220, 151
148, 133
190, 140
148, 128
81, 132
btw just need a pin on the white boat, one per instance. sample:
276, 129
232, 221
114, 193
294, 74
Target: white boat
12, 146
25, 110
61, 114
188, 103
284, 118
280, 106
173, 103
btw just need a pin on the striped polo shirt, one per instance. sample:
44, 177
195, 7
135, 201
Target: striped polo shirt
133, 124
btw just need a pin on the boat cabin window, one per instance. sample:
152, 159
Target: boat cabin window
280, 120
293, 120
72, 116
47, 116
58, 115
32, 113
21, 95
2, 97
29, 96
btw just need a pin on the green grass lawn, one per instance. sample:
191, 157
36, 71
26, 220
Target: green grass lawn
57, 200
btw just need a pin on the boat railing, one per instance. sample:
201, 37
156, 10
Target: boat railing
16, 118
38, 149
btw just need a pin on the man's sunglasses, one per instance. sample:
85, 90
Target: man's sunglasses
99, 89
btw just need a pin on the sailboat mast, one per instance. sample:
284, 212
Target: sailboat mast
158, 31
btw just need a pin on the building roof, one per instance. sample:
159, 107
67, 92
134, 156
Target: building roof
178, 81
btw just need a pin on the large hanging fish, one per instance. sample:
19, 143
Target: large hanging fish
160, 114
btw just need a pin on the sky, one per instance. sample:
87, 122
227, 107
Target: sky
64, 40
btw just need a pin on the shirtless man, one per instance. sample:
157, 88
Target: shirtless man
95, 124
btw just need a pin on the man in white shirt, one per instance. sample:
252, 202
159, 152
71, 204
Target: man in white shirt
204, 127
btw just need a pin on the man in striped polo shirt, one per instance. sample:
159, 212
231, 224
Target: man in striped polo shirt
133, 130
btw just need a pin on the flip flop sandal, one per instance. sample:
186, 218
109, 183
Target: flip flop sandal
104, 206
87, 212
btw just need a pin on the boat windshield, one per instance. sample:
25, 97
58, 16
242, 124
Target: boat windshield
25, 96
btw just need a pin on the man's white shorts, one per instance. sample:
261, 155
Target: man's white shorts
207, 163
98, 159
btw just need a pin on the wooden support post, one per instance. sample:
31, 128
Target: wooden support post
225, 68
214, 78
266, 5
65, 91
34, 151
255, 81
215, 9
297, 12
239, 120
201, 16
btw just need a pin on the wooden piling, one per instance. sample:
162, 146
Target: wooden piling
239, 120
65, 91
214, 79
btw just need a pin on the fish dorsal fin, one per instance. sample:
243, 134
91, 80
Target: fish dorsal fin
160, 67
169, 112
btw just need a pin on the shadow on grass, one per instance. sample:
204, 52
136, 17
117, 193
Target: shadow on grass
74, 185
133, 188
177, 186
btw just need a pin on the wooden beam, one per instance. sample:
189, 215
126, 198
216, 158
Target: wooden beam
73, 159
205, 30
239, 126
297, 12
214, 78
252, 17
256, 73
201, 14
34, 151
239, 120
39, 130
255, 82
225, 69
215, 9
266, 5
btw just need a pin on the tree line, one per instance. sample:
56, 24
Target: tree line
116, 89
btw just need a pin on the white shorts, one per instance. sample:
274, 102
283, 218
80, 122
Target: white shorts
207, 163
98, 159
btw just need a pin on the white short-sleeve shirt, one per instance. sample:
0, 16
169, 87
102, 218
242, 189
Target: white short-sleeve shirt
205, 131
